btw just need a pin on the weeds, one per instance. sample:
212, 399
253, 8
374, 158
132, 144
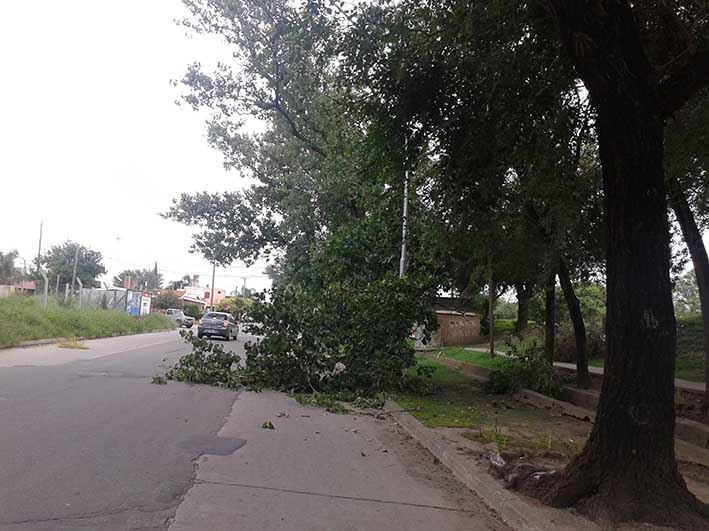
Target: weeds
23, 319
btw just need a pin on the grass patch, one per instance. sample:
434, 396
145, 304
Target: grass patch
459, 402
520, 439
24, 319
686, 368
442, 375
474, 357
508, 425
505, 325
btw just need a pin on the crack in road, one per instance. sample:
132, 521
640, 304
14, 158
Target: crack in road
332, 496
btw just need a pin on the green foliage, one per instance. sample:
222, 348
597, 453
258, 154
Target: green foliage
165, 300
140, 279
174, 285
329, 402
528, 369
502, 326
505, 310
474, 357
59, 261
208, 363
686, 294
236, 305
8, 272
24, 319
592, 299
192, 310
336, 338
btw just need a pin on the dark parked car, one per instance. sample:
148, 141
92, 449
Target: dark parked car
220, 324
180, 318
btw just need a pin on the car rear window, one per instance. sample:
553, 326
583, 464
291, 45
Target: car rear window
217, 316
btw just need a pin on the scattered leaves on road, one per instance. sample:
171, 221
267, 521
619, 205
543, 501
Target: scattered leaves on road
268, 425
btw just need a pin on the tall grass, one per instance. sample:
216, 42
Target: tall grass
23, 319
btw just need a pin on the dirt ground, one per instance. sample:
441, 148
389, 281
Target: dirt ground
520, 432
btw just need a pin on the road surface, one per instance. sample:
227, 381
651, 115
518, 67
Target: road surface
88, 443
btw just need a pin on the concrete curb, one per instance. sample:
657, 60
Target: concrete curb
53, 341
515, 511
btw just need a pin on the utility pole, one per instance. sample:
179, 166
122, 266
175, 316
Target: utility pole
211, 291
81, 291
39, 249
73, 274
46, 289
405, 216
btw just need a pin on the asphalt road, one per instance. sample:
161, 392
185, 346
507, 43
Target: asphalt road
88, 443
91, 444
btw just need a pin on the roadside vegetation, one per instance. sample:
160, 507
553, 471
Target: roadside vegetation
492, 127
24, 319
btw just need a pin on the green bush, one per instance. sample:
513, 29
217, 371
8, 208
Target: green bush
24, 319
528, 368
192, 310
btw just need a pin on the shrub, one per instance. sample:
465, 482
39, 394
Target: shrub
528, 368
192, 310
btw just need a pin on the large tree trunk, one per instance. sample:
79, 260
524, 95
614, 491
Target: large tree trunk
583, 380
693, 239
491, 313
627, 469
524, 294
550, 316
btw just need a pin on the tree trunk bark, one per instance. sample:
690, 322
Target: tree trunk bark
583, 380
550, 315
693, 239
524, 293
491, 314
627, 470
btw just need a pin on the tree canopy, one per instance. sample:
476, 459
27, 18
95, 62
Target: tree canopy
59, 262
141, 279
530, 137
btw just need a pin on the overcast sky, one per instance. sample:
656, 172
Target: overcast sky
91, 140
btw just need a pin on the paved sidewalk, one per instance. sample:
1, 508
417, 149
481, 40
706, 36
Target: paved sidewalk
324, 472
679, 384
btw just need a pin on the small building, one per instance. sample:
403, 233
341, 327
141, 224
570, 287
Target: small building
458, 325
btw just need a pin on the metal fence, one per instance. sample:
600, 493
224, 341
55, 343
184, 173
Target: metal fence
104, 299
6, 291
100, 299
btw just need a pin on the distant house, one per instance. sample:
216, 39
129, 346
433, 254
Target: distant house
219, 295
26, 286
458, 324
195, 294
